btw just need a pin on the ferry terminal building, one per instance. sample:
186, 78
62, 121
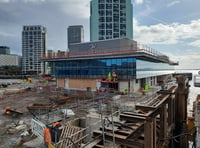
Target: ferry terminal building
115, 64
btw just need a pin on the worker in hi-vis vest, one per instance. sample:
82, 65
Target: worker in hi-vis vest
125, 90
47, 136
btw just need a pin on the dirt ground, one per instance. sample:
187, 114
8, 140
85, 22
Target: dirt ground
19, 102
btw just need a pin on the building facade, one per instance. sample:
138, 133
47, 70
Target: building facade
111, 19
4, 50
10, 60
33, 47
114, 64
75, 34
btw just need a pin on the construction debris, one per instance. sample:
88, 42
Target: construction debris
43, 108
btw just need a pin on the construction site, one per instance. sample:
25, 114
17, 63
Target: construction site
41, 114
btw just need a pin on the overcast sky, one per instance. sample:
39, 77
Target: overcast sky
169, 26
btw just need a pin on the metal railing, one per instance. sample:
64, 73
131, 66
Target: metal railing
37, 128
133, 48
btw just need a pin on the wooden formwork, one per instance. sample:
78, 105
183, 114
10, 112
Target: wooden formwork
71, 136
148, 126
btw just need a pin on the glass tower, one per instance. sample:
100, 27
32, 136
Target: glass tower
75, 34
111, 19
33, 48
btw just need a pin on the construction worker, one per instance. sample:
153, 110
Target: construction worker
47, 136
56, 131
125, 90
114, 76
109, 77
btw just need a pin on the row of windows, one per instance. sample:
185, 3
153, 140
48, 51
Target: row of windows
31, 33
110, 19
103, 12
114, 7
115, 35
110, 27
109, 33
123, 67
112, 1
27, 28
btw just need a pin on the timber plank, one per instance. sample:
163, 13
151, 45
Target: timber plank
98, 132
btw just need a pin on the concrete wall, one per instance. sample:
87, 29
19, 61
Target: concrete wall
137, 85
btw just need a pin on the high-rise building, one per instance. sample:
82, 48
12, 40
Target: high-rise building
75, 34
4, 50
111, 19
33, 48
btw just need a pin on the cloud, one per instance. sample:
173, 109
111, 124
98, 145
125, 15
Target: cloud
76, 8
139, 1
6, 34
5, 1
172, 3
166, 33
146, 12
195, 43
189, 61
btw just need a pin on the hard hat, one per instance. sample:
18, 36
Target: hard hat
56, 124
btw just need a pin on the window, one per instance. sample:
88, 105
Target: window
108, 32
101, 19
116, 35
108, 6
101, 12
116, 6
122, 7
108, 19
108, 13
101, 32
116, 19
116, 1
109, 1
101, 6
109, 25
123, 26
102, 26
101, 1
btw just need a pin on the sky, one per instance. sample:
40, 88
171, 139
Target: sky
169, 26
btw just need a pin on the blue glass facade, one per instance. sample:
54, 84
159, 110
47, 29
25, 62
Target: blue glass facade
125, 68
